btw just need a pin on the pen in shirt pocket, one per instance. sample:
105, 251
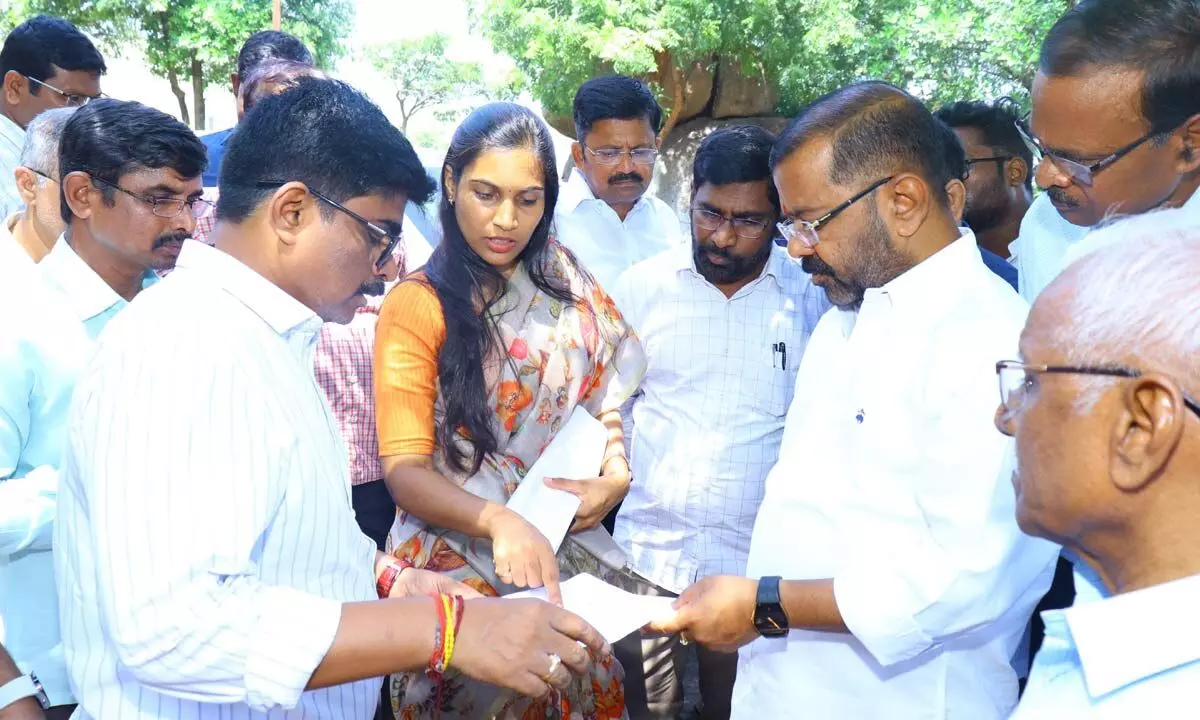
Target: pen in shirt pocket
779, 348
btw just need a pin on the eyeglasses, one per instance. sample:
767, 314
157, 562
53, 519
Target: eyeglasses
999, 159
806, 232
745, 227
39, 173
1081, 173
381, 238
1016, 380
612, 156
163, 207
72, 99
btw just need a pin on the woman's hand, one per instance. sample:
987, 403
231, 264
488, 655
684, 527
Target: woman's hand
522, 553
412, 582
597, 496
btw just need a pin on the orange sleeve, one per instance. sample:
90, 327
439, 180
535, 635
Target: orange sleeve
408, 337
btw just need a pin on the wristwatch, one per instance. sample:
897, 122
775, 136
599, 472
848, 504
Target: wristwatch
769, 618
21, 688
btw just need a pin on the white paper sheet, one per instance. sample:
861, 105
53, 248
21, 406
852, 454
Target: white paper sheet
575, 453
611, 610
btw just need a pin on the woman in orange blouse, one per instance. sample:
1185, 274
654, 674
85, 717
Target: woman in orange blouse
479, 360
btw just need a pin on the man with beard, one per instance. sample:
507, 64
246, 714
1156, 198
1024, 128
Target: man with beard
724, 323
999, 178
130, 179
604, 214
890, 510
1116, 119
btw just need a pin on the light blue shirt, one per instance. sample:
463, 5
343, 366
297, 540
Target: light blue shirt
47, 328
1130, 656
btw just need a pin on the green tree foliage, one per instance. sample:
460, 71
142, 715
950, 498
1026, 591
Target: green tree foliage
939, 49
196, 42
425, 78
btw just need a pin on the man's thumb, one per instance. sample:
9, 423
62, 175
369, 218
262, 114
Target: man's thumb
571, 486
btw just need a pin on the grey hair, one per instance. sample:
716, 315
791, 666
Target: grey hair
40, 152
1135, 300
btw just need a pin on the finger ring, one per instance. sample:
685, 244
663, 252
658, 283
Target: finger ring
555, 664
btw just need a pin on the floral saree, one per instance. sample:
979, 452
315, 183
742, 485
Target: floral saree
555, 356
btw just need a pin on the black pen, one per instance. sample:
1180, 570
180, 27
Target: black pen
783, 354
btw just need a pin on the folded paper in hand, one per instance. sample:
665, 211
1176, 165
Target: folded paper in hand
575, 453
612, 611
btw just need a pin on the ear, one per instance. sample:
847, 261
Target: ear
27, 182
291, 209
236, 82
15, 86
80, 194
448, 183
1189, 156
907, 201
1148, 430
577, 153
958, 198
658, 142
1016, 172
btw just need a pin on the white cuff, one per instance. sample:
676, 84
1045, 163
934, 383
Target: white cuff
293, 633
870, 610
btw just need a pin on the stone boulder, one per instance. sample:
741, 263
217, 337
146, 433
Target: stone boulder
742, 94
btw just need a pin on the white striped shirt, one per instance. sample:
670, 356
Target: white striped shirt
708, 419
205, 504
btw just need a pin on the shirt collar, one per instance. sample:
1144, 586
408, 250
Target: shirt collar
576, 191
282, 312
12, 133
685, 261
1127, 638
85, 291
927, 290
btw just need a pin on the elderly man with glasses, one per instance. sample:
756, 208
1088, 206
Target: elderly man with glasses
130, 179
725, 321
886, 577
45, 63
35, 229
1115, 123
1103, 406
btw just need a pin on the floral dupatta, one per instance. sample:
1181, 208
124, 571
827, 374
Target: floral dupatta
555, 356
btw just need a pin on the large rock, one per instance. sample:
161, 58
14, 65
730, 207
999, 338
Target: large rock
739, 94
697, 81
673, 175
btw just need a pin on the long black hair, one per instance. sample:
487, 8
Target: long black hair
468, 287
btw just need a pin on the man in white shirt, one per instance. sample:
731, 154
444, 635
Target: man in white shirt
45, 63
37, 227
909, 585
604, 214
1104, 405
1116, 117
215, 567
724, 322
115, 160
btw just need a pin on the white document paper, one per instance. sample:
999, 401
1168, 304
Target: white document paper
611, 610
575, 453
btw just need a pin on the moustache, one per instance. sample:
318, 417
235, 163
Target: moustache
1059, 197
814, 265
372, 288
176, 238
623, 177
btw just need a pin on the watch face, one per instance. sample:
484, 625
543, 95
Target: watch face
42, 698
770, 621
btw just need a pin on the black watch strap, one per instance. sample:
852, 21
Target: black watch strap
769, 618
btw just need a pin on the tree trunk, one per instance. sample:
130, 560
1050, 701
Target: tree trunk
404, 114
667, 69
173, 78
198, 91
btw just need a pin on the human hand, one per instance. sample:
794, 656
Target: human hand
597, 496
522, 554
717, 612
412, 582
509, 643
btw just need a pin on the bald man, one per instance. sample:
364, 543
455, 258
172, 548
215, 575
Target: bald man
1105, 415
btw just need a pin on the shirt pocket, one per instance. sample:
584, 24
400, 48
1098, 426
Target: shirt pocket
771, 388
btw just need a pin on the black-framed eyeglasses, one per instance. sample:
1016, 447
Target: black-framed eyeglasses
163, 207
1016, 380
71, 99
612, 156
748, 228
998, 159
1081, 173
386, 240
806, 232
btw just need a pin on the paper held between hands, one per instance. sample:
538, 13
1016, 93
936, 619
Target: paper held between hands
612, 611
